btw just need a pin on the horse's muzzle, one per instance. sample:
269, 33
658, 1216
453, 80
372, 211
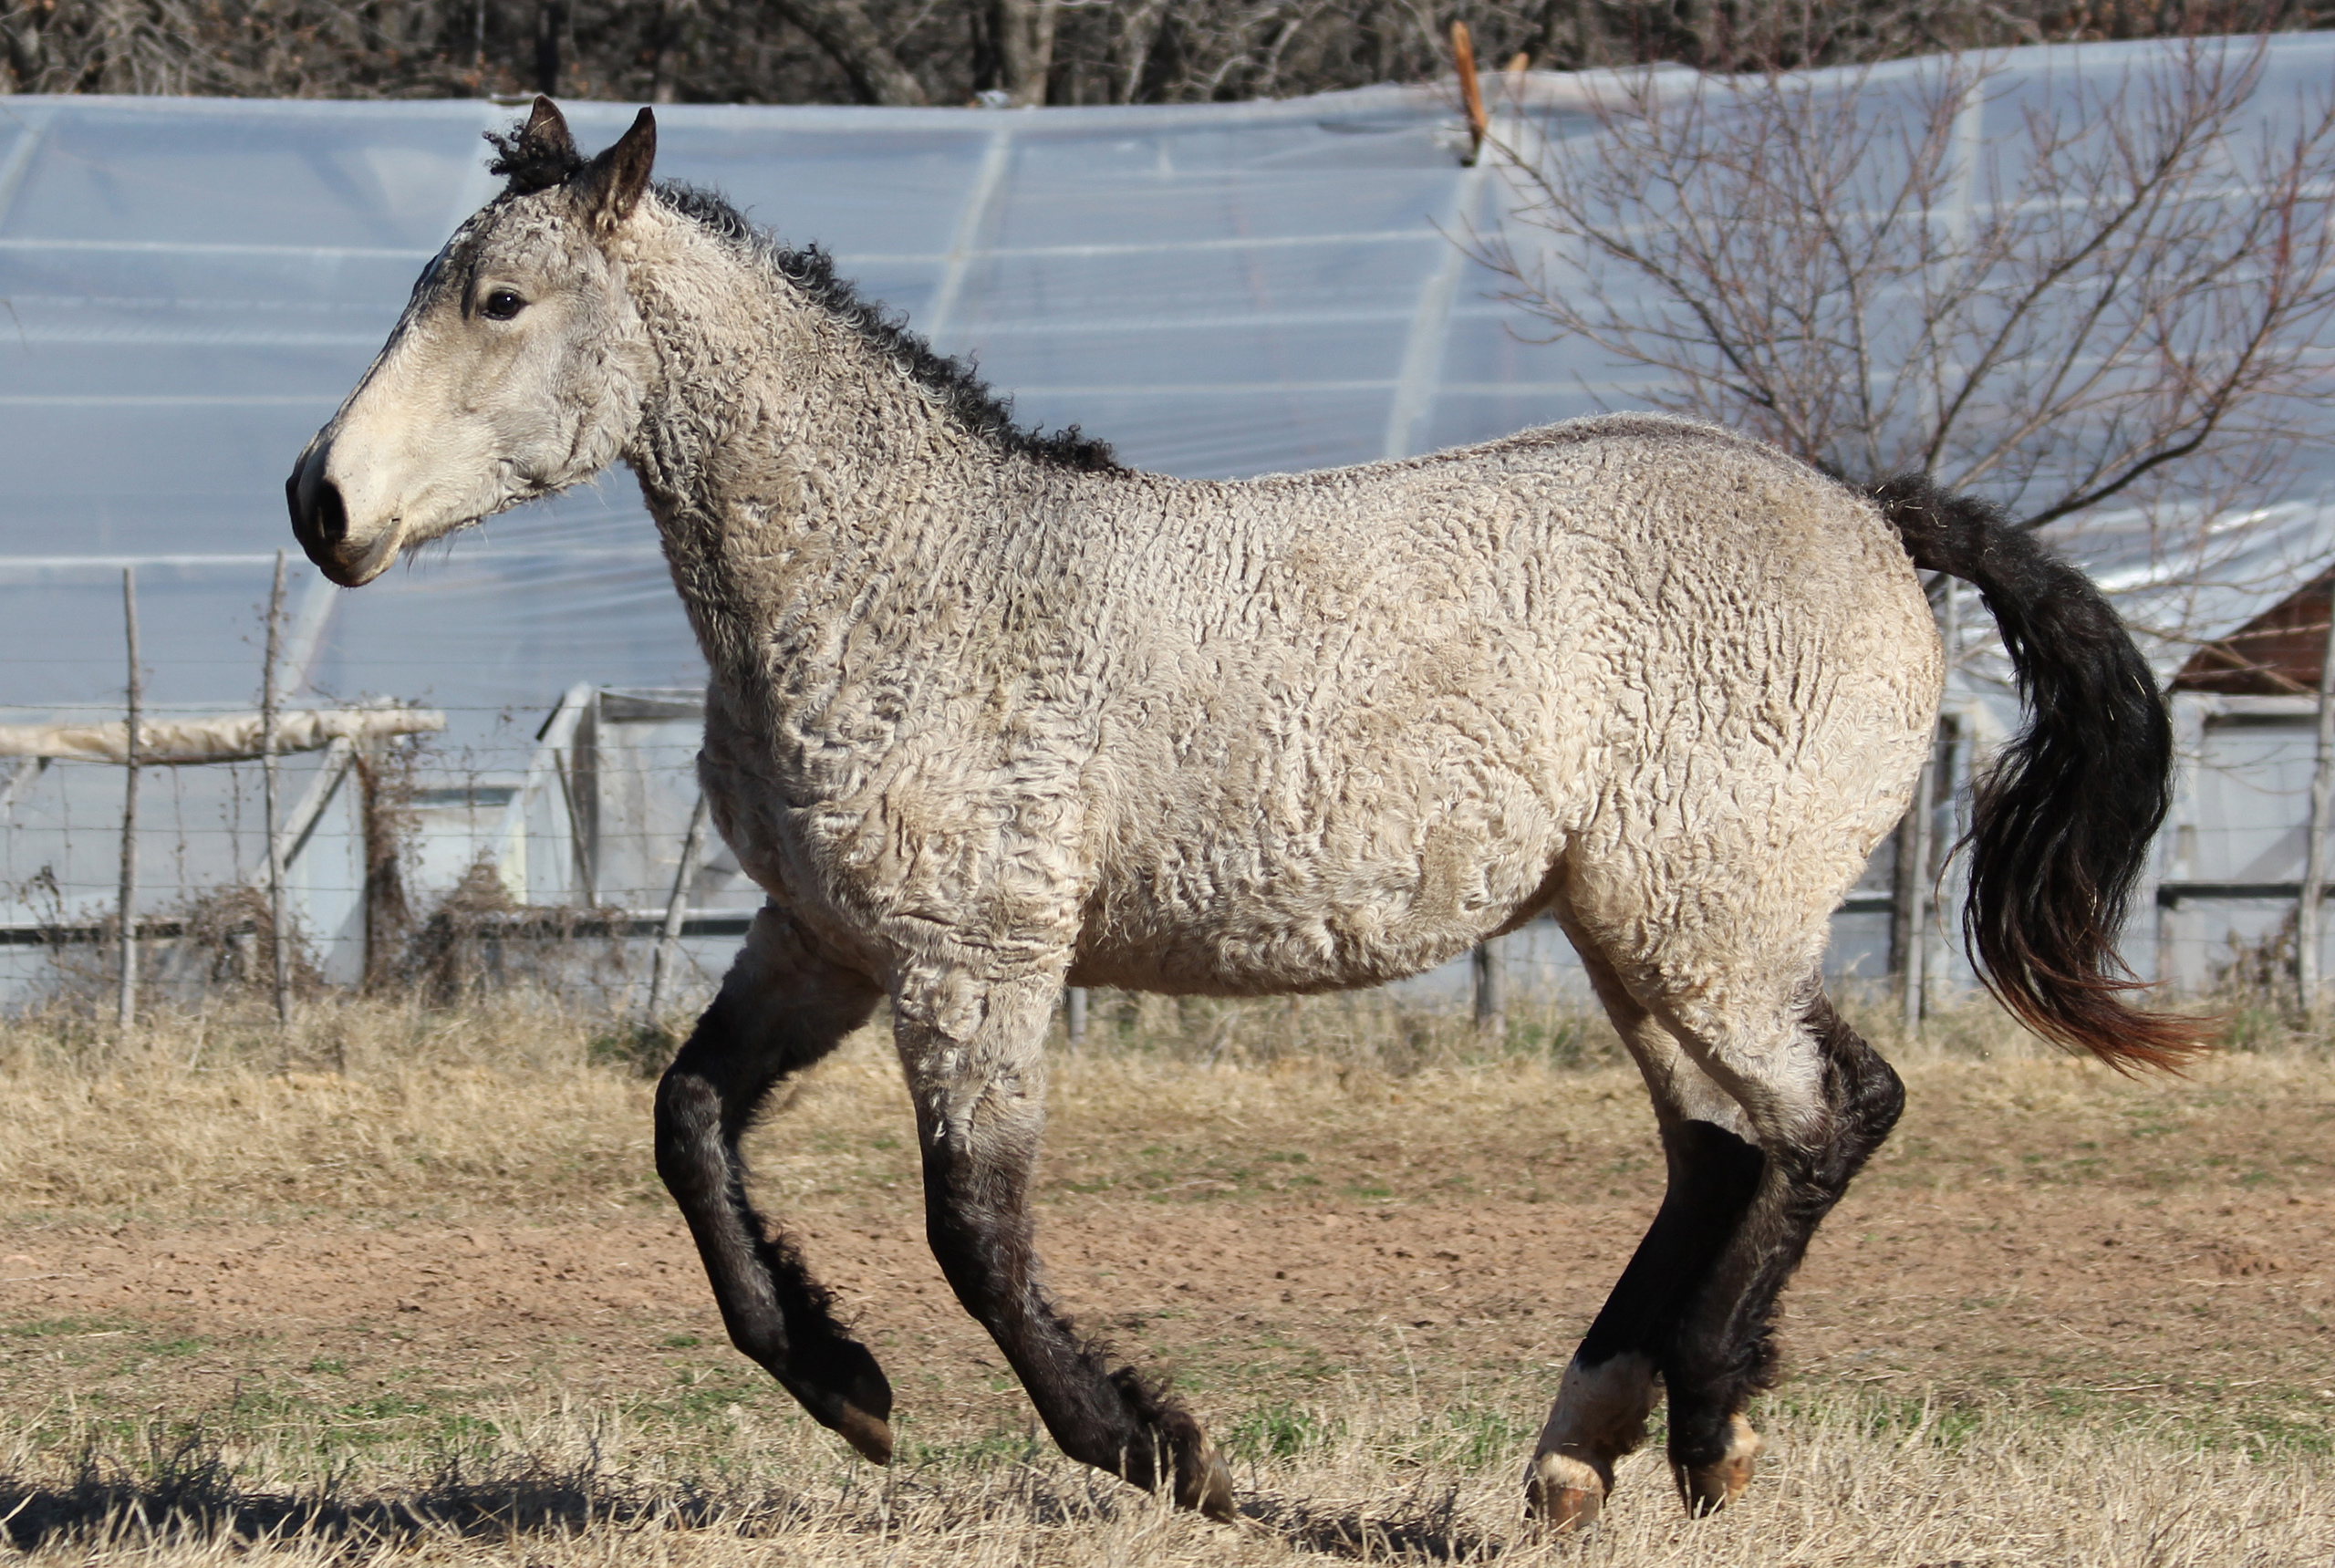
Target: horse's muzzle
320, 521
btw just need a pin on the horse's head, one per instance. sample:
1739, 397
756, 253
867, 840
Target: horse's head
517, 370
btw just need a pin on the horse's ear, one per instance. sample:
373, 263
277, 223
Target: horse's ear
546, 135
612, 183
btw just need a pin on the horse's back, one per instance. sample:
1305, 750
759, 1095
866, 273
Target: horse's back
1461, 687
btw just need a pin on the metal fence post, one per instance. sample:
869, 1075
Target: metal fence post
269, 701
127, 1000
668, 943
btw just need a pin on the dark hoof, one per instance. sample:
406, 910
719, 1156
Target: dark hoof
870, 1435
1706, 1489
1203, 1480
852, 1398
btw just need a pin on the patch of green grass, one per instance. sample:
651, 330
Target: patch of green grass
1475, 1437
1276, 1432
70, 1327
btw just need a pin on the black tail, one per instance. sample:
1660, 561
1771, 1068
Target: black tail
2061, 824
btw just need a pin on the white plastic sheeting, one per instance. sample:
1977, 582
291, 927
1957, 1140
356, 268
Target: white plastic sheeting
187, 288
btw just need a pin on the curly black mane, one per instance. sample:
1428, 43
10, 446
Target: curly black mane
955, 382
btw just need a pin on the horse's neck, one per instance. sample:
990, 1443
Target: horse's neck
792, 469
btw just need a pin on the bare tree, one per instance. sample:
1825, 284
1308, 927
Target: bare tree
2117, 302
2121, 299
1033, 51
844, 29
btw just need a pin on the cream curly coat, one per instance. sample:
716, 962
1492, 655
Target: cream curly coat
987, 714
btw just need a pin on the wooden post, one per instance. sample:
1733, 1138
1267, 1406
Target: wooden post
669, 944
127, 1000
2314, 853
1472, 91
1489, 975
270, 722
1917, 844
1075, 1015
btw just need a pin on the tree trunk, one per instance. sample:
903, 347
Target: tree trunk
674, 19
1026, 41
842, 28
551, 20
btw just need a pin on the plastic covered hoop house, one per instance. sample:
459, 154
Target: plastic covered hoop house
187, 288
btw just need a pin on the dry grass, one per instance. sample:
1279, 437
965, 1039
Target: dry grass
1861, 1486
376, 1116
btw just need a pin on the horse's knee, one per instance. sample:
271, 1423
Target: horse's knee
687, 1135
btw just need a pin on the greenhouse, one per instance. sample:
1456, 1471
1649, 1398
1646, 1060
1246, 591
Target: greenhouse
190, 286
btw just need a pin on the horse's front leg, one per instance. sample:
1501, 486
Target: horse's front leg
781, 1007
974, 1053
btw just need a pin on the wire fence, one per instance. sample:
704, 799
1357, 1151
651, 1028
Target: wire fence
561, 853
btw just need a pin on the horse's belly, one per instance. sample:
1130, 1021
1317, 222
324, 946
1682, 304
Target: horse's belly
1236, 922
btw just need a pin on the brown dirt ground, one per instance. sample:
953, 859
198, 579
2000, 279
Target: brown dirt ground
1996, 1250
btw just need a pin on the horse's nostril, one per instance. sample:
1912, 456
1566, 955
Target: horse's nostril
328, 517
319, 519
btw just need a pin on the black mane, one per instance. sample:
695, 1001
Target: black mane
955, 382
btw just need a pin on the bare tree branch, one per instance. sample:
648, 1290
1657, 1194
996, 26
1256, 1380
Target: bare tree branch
844, 29
2121, 299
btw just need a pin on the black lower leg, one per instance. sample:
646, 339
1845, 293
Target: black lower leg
1723, 1350
1713, 1176
774, 1310
1116, 1420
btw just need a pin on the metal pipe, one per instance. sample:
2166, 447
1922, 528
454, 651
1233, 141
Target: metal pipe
668, 943
270, 706
128, 1000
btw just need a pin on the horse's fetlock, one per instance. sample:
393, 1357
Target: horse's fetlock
765, 1343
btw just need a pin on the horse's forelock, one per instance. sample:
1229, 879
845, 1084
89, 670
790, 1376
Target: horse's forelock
530, 165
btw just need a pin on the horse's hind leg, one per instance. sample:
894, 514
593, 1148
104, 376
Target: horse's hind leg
781, 1007
972, 1050
1714, 1169
1821, 1100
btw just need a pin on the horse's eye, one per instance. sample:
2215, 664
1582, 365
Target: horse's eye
502, 306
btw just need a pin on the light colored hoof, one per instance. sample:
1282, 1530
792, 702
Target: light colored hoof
1706, 1489
1565, 1493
